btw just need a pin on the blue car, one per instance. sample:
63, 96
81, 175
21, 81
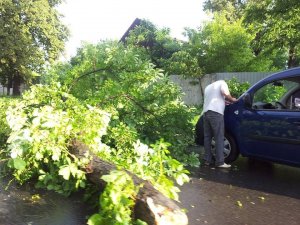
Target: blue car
265, 121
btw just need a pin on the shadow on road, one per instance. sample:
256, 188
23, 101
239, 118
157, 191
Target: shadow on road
254, 174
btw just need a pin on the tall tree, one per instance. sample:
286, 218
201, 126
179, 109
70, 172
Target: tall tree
225, 46
277, 24
31, 34
233, 8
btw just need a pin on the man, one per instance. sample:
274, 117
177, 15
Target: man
213, 109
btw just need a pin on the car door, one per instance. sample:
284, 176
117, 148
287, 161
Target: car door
270, 128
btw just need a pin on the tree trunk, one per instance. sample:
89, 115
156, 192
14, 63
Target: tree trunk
292, 61
9, 85
16, 84
201, 88
151, 206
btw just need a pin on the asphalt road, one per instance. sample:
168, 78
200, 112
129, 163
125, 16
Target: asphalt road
26, 206
250, 193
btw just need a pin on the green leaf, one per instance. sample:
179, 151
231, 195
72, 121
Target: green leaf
182, 178
50, 187
94, 220
65, 172
19, 164
239, 203
10, 163
140, 222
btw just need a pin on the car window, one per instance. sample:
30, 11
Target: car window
278, 95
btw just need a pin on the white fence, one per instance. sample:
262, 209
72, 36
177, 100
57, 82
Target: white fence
3, 90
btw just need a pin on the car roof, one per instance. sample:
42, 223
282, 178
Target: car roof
294, 72
285, 74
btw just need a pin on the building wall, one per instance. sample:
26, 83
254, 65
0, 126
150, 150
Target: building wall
193, 88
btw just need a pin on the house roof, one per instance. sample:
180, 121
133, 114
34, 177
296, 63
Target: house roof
135, 23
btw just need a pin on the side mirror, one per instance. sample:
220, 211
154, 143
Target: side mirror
277, 83
247, 100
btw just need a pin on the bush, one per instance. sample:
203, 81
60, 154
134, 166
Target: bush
5, 102
236, 87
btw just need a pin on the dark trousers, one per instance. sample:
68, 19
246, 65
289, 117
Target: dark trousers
214, 129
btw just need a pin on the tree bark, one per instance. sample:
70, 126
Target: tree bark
9, 85
16, 84
292, 61
151, 206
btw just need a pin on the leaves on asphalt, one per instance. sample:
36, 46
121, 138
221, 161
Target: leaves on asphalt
239, 204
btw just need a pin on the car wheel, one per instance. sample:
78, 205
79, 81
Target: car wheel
230, 149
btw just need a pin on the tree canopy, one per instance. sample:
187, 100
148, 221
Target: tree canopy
233, 8
274, 22
277, 24
226, 43
31, 34
156, 42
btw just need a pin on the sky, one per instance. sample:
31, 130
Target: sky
95, 20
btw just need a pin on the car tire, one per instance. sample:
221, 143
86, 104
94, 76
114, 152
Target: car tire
231, 152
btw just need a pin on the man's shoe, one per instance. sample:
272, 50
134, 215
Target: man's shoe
224, 165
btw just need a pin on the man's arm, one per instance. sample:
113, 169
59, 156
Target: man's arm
225, 92
229, 98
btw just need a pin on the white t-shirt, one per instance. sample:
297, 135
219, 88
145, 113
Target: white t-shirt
214, 100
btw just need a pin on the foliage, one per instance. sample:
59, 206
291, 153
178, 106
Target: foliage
143, 102
58, 72
233, 8
152, 163
156, 43
146, 113
269, 93
43, 125
116, 201
276, 24
171, 55
183, 63
236, 87
5, 102
225, 46
31, 34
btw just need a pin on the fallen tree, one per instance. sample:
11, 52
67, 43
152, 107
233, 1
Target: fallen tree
44, 125
151, 206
